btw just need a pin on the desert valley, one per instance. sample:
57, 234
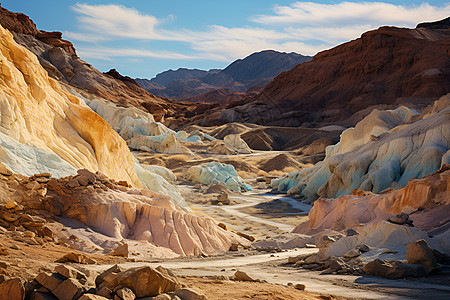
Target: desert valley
281, 176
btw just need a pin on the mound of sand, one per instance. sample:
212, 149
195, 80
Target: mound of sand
280, 162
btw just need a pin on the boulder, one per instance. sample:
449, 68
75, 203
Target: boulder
242, 276
352, 253
144, 281
189, 294
121, 250
124, 294
394, 269
12, 289
78, 258
400, 219
300, 286
69, 289
419, 252
70, 272
114, 269
351, 232
223, 198
49, 281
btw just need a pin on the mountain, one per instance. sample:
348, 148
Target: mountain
59, 59
256, 69
385, 67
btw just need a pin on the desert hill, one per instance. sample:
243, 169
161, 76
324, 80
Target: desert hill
383, 68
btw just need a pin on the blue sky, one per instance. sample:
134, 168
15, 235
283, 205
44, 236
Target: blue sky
141, 38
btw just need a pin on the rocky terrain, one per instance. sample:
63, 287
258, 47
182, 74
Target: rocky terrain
110, 192
384, 68
226, 85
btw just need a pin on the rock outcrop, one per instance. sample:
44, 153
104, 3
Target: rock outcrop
217, 173
36, 111
429, 194
378, 153
113, 213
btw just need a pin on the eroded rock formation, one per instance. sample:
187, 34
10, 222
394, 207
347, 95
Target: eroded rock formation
36, 111
377, 154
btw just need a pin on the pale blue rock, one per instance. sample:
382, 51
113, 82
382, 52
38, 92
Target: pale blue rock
29, 160
217, 173
382, 151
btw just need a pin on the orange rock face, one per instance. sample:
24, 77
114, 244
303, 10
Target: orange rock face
427, 200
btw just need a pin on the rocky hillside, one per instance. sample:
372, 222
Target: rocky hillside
59, 59
389, 66
256, 69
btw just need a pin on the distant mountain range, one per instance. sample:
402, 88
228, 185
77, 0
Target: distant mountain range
256, 70
384, 68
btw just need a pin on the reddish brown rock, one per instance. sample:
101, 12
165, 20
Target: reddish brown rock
419, 252
12, 289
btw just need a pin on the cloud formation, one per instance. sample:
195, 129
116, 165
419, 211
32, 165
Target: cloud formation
351, 13
302, 27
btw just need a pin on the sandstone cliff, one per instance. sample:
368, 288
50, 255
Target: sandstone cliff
36, 111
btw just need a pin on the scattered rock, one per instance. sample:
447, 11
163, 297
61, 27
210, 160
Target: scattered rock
363, 248
162, 297
114, 269
121, 250
351, 232
69, 289
294, 259
78, 258
223, 198
394, 269
419, 252
104, 291
190, 294
336, 264
400, 219
352, 253
12, 289
234, 247
125, 294
300, 286
70, 272
223, 226
92, 297
11, 204
49, 281
246, 236
144, 281
242, 276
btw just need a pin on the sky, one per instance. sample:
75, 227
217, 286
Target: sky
141, 38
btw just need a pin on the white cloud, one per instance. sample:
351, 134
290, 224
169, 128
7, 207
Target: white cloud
117, 20
351, 13
109, 53
302, 27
